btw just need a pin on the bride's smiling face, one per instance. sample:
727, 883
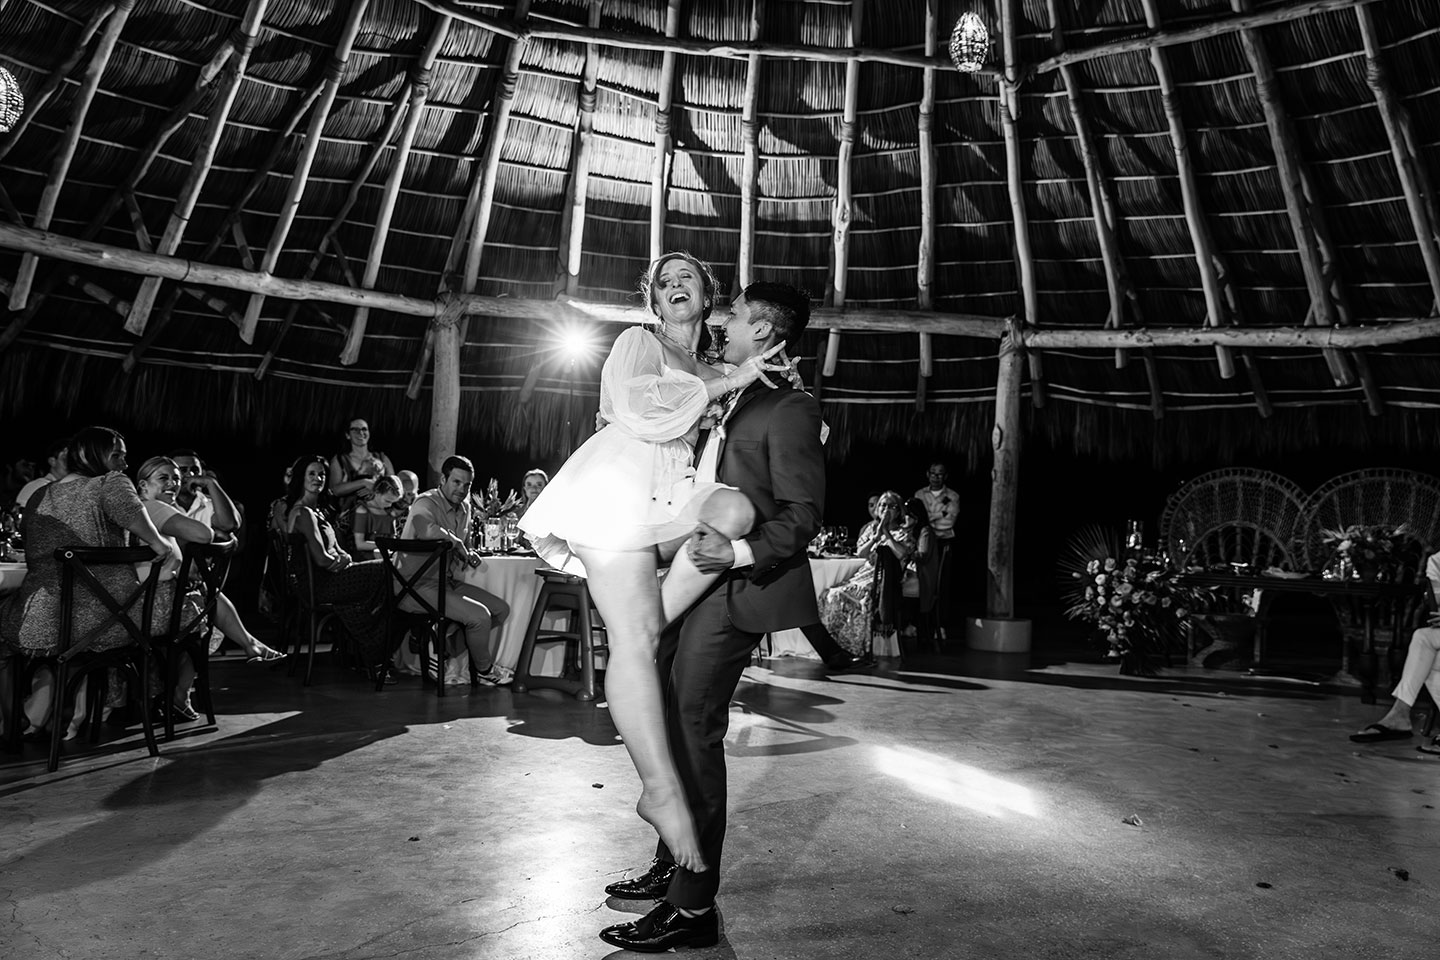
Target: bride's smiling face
679, 293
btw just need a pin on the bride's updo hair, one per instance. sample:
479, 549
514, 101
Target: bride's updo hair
650, 281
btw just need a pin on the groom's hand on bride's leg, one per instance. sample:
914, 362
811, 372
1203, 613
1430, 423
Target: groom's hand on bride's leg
710, 551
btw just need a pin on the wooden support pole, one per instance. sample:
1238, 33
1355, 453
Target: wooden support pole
580, 162
1004, 478
843, 210
664, 143
925, 260
1288, 165
1190, 193
36, 100
1010, 124
445, 388
475, 218
204, 159
50, 196
1257, 384
290, 206
750, 165
1397, 122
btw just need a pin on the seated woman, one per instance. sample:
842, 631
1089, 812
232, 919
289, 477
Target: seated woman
868, 604
355, 588
95, 505
158, 480
374, 518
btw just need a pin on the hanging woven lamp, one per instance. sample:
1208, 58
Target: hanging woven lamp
12, 101
969, 43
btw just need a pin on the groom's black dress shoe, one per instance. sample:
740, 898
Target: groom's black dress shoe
663, 928
841, 662
651, 885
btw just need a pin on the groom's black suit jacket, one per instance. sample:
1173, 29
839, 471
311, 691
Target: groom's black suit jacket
772, 453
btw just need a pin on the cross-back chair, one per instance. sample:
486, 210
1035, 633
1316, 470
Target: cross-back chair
429, 625
203, 570
314, 615
74, 658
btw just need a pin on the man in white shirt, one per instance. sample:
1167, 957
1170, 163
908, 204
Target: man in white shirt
1422, 669
943, 506
191, 497
55, 456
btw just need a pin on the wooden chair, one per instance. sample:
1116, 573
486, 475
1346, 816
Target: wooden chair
429, 625
280, 584
203, 571
314, 616
1380, 496
1234, 515
74, 660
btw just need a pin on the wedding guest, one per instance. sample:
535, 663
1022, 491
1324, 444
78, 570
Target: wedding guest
943, 505
279, 509
443, 513
96, 505
534, 482
375, 517
918, 566
200, 496
353, 587
159, 481
409, 486
55, 459
353, 473
867, 605
1421, 670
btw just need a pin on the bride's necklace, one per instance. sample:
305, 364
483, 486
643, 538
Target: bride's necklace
692, 354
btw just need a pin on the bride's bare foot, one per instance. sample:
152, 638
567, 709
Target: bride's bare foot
669, 815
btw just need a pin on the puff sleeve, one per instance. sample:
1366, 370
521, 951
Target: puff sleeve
653, 401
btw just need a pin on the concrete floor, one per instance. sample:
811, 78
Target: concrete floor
956, 807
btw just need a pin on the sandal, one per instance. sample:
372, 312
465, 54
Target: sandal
1432, 748
266, 655
1376, 733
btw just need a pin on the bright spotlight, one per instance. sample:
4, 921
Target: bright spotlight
956, 782
576, 343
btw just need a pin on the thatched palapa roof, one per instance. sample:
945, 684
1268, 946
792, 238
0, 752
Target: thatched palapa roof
1236, 193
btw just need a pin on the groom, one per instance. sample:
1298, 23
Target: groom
769, 447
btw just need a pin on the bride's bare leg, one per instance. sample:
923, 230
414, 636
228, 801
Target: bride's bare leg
732, 514
623, 588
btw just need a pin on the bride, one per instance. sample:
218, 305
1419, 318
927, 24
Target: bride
627, 500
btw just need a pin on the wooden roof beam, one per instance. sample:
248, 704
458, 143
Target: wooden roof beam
573, 229
1397, 125
180, 218
50, 196
400, 108
843, 210
925, 148
204, 158
664, 143
750, 165
1010, 124
908, 322
310, 145
123, 194
1190, 194
1157, 38
36, 100
419, 91
1287, 163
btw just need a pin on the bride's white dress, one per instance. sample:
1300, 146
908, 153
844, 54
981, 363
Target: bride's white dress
631, 485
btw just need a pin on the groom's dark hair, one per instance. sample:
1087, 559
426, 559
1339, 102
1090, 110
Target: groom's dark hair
787, 308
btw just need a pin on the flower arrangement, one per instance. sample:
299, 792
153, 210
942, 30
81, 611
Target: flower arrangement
1367, 550
1136, 601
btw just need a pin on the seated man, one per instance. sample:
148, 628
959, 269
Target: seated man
55, 458
444, 514
1422, 668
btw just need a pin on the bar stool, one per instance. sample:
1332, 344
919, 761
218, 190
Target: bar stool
561, 591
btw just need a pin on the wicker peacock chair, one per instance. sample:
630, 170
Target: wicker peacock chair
1235, 515
1377, 496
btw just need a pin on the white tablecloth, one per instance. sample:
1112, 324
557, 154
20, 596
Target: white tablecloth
513, 580
11, 574
827, 572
